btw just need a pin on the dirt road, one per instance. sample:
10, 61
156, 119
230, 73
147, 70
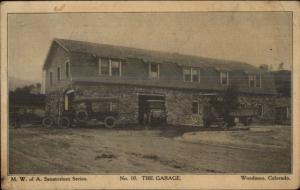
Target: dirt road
96, 150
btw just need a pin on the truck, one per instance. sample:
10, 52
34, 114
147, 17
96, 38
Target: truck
83, 110
241, 115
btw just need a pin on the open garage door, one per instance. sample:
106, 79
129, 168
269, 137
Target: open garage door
152, 109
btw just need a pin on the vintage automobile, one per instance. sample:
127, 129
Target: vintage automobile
84, 110
156, 112
20, 115
241, 115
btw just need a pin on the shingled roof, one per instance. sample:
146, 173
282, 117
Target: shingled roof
121, 52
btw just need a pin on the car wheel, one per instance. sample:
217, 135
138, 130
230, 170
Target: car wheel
64, 122
48, 121
110, 122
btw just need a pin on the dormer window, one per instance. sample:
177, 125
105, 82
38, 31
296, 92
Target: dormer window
154, 70
254, 80
109, 67
258, 81
115, 68
187, 74
191, 74
195, 75
224, 78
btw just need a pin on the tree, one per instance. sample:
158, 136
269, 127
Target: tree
227, 103
264, 67
230, 104
280, 66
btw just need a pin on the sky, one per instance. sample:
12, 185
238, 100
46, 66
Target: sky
253, 37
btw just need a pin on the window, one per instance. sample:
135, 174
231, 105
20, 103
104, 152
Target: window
51, 78
116, 68
224, 78
187, 74
252, 80
195, 75
58, 74
260, 110
67, 69
258, 80
195, 107
191, 75
154, 70
103, 66
109, 67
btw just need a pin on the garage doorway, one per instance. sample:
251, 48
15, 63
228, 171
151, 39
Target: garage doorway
148, 104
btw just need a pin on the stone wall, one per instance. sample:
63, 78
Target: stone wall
55, 99
178, 102
269, 103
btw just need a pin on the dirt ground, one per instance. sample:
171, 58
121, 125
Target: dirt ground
262, 149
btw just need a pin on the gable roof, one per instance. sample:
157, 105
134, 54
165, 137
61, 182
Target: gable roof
121, 52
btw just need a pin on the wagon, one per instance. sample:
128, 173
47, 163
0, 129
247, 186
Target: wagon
84, 110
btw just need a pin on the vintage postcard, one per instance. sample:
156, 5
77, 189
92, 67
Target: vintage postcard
150, 95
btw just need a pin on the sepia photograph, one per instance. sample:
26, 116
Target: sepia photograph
150, 92
149, 96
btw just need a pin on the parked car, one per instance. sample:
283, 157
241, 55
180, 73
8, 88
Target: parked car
100, 110
241, 115
23, 115
156, 112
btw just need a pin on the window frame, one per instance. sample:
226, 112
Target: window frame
158, 71
109, 67
50, 78
198, 107
190, 75
191, 69
227, 77
67, 68
252, 78
198, 74
119, 67
258, 77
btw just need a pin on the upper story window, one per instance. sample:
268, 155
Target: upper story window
154, 70
51, 78
191, 75
58, 74
224, 78
110, 67
67, 69
195, 75
115, 68
258, 81
187, 74
254, 80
